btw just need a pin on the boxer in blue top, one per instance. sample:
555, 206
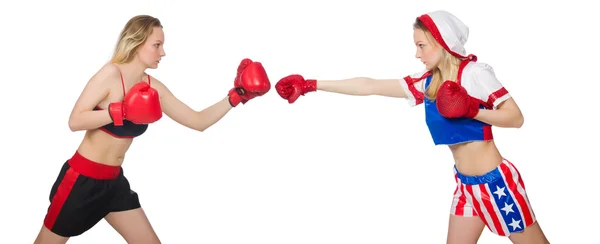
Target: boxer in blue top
462, 99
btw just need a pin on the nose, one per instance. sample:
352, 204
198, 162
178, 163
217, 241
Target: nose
417, 54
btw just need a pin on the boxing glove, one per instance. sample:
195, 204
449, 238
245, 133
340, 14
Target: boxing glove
251, 81
293, 86
141, 105
453, 101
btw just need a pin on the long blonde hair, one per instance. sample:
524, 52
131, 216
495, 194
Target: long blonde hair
448, 63
133, 35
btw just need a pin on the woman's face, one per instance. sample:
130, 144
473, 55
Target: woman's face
428, 52
152, 50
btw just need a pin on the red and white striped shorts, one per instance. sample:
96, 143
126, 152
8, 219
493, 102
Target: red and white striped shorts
497, 197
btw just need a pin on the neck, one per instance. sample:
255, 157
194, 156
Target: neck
446, 74
449, 72
133, 72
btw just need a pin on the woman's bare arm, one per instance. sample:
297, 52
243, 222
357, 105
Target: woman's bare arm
83, 117
363, 86
507, 115
186, 116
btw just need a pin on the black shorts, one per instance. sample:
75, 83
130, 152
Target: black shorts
84, 193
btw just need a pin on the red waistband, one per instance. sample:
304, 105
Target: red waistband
93, 169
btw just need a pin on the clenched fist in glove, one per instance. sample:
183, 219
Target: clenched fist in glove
293, 86
453, 101
251, 81
141, 105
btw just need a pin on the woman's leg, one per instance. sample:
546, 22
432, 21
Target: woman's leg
133, 226
127, 216
500, 199
464, 226
532, 235
464, 230
48, 237
77, 200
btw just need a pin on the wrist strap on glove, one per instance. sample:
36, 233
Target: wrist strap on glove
234, 96
115, 110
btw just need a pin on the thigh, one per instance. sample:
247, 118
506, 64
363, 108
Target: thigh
465, 226
531, 235
125, 198
77, 203
464, 230
500, 200
127, 216
133, 226
45, 236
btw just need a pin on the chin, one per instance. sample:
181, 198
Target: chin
430, 67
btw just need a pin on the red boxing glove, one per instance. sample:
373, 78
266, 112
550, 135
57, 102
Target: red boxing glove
453, 101
251, 81
292, 87
141, 104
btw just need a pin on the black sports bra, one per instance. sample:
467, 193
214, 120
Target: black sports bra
128, 129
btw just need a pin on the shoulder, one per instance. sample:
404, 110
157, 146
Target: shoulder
109, 70
478, 70
106, 74
159, 86
154, 82
415, 81
414, 86
417, 76
480, 80
476, 74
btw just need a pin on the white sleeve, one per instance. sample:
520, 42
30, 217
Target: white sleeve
486, 85
414, 87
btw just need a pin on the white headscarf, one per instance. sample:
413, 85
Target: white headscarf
449, 31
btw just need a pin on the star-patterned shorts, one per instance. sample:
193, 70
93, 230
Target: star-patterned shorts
497, 197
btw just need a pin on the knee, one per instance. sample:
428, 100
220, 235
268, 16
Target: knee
150, 239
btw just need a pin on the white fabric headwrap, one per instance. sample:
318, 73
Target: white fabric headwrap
449, 31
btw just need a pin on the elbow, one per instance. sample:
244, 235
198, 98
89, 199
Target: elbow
199, 127
519, 122
74, 125
197, 124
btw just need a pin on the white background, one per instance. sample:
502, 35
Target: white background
255, 176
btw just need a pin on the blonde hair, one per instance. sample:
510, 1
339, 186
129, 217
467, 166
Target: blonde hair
133, 35
448, 63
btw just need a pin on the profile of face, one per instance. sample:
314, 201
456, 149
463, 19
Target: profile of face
152, 50
429, 52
